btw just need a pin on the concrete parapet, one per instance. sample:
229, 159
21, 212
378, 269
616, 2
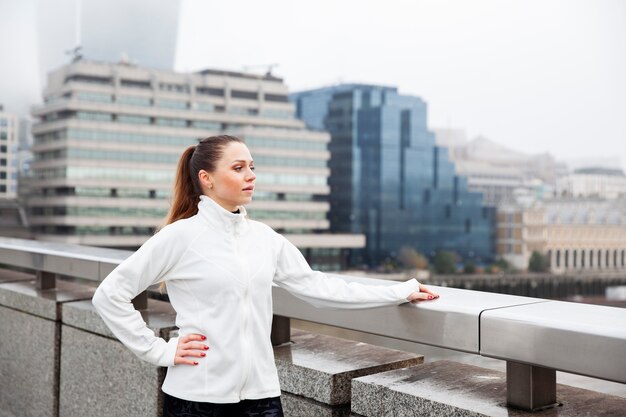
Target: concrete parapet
447, 388
321, 367
101, 377
30, 346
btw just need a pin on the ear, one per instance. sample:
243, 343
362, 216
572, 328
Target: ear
205, 179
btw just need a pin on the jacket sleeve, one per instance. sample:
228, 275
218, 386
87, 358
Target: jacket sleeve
112, 300
294, 274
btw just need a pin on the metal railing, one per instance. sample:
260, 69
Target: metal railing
534, 336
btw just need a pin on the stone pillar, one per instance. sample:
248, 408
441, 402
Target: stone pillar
99, 375
30, 330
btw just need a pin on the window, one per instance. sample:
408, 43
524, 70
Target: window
247, 95
96, 97
162, 121
138, 120
208, 91
134, 100
89, 79
136, 84
280, 98
172, 104
88, 115
3, 148
177, 88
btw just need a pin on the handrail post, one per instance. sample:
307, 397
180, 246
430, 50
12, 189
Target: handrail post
46, 280
281, 330
530, 388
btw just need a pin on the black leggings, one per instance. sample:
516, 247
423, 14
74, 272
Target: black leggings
266, 407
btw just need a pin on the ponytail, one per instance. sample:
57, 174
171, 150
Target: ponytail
186, 196
187, 187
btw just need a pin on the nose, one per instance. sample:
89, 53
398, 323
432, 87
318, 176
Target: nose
251, 175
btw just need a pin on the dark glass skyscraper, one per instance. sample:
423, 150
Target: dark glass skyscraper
388, 178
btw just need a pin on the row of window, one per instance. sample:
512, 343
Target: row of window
172, 140
183, 105
588, 259
139, 174
178, 88
145, 120
159, 212
98, 211
263, 160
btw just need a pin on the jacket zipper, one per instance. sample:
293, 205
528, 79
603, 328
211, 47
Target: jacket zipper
246, 318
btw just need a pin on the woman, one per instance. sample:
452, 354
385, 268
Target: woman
219, 268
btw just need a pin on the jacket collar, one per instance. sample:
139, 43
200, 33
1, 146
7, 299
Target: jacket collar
220, 218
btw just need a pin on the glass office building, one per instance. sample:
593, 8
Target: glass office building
389, 180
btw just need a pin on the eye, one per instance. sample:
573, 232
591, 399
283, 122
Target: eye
252, 168
237, 168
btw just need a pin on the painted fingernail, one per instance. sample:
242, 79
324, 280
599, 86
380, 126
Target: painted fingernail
195, 363
202, 354
206, 347
430, 297
203, 337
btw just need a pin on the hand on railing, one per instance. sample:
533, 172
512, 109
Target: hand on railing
423, 294
187, 347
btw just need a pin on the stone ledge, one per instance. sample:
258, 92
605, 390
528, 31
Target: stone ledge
321, 367
447, 388
160, 317
26, 297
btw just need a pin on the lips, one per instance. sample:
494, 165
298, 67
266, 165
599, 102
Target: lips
250, 188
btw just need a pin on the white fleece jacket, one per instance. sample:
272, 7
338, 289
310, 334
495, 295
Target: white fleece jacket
219, 268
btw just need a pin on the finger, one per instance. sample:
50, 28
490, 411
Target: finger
193, 345
183, 361
191, 353
424, 288
418, 296
192, 336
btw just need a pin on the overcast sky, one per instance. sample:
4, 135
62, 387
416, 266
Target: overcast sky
535, 75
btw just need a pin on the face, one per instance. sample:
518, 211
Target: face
232, 183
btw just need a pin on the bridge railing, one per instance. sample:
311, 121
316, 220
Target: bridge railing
536, 337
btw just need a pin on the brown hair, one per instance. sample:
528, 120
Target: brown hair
187, 187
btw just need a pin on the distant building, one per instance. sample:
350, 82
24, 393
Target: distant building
388, 178
9, 131
502, 175
110, 136
593, 182
574, 234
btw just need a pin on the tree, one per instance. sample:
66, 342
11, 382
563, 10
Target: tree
537, 262
411, 258
469, 267
445, 262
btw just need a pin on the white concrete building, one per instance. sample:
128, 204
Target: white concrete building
9, 131
593, 182
110, 136
504, 176
574, 234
